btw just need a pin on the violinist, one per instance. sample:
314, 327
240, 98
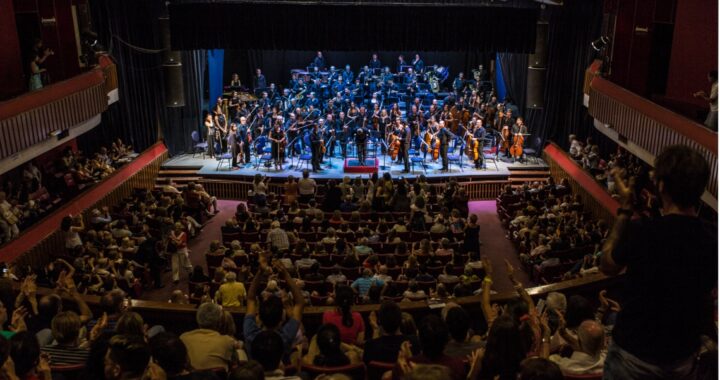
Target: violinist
444, 136
345, 133
291, 126
479, 135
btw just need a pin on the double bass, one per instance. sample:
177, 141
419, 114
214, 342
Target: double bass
394, 146
517, 148
505, 139
472, 147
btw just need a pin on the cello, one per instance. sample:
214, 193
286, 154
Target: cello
517, 148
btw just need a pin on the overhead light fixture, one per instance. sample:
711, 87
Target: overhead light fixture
600, 43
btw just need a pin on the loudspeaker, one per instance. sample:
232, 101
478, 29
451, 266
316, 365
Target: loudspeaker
539, 58
535, 96
174, 87
169, 56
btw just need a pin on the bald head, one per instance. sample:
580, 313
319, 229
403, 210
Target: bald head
591, 337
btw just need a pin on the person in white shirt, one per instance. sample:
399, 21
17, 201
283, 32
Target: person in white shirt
712, 119
589, 352
306, 187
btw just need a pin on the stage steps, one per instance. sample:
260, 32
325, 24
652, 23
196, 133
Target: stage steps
180, 175
520, 175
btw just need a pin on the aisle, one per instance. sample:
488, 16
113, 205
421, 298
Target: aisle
496, 246
198, 247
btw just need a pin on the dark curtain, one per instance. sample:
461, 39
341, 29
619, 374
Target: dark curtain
130, 31
276, 64
180, 122
286, 26
514, 70
571, 29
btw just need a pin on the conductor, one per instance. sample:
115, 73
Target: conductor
360, 140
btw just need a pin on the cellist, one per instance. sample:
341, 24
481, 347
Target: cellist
479, 135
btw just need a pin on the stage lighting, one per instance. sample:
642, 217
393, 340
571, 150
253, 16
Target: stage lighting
600, 43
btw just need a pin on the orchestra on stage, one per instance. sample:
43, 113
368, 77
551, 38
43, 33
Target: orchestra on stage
326, 113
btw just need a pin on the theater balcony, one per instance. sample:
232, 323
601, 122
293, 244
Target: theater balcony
38, 121
644, 128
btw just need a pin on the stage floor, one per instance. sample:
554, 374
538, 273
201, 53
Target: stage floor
333, 168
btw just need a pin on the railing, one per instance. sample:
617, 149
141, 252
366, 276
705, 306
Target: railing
650, 126
238, 190
595, 198
591, 73
34, 117
37, 245
181, 317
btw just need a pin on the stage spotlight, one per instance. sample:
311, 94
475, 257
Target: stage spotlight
600, 43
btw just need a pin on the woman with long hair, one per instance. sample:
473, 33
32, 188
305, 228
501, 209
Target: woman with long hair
504, 351
350, 323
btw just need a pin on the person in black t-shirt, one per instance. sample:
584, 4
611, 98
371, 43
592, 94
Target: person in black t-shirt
385, 345
671, 270
360, 141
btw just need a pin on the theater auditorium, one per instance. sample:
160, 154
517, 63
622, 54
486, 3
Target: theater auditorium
358, 189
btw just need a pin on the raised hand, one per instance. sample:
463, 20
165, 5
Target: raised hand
624, 189
509, 269
17, 322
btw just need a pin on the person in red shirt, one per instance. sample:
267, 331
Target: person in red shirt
350, 323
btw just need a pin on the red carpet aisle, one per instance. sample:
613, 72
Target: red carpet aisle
198, 247
496, 246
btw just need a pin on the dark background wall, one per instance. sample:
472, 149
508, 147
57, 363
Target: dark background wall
276, 64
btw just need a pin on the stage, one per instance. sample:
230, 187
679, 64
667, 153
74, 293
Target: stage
207, 168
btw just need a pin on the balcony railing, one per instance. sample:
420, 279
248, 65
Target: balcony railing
34, 117
648, 125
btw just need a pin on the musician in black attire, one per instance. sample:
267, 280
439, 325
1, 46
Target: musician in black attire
292, 133
479, 135
232, 141
361, 135
277, 140
444, 136
401, 62
418, 64
243, 130
315, 143
406, 137
332, 127
210, 127
259, 81
348, 75
319, 61
375, 62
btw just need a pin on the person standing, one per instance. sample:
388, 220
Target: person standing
479, 135
406, 140
444, 136
360, 141
375, 62
210, 127
712, 119
177, 248
277, 139
670, 265
245, 134
315, 144
418, 64
259, 82
232, 141
319, 61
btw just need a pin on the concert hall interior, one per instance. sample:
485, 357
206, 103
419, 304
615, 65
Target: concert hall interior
358, 189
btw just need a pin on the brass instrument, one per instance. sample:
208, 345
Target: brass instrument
299, 95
